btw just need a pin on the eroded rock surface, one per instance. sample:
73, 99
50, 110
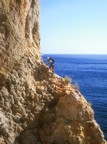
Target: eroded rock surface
36, 106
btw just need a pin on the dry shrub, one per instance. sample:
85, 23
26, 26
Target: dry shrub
67, 80
90, 104
76, 86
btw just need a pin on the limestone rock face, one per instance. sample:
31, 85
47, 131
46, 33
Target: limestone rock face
36, 106
19, 30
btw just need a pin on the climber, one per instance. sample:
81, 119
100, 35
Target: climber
51, 63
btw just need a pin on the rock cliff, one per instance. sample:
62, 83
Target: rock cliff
37, 106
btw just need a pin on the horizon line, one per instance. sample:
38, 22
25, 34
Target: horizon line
69, 54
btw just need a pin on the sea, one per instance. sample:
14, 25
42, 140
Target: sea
90, 73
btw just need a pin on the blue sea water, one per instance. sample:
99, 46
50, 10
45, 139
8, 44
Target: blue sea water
90, 72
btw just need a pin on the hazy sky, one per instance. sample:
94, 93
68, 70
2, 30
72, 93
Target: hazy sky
73, 26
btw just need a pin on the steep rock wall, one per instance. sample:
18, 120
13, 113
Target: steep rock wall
19, 30
36, 106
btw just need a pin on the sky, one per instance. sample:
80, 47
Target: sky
73, 26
